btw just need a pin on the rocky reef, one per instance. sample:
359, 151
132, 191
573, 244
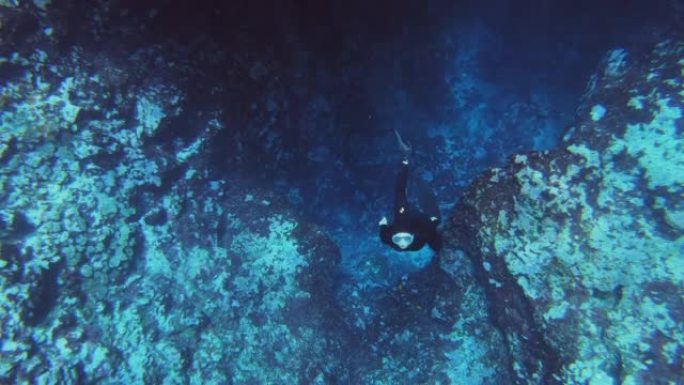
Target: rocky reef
122, 262
580, 249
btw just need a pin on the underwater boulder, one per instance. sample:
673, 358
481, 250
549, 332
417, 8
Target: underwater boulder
581, 249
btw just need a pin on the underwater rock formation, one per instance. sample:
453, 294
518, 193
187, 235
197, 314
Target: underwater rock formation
126, 262
428, 327
581, 249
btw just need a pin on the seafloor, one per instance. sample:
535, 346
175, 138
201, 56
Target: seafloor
190, 192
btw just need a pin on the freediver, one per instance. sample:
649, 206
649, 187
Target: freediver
411, 228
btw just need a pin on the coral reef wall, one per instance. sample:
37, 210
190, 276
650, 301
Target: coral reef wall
581, 248
124, 262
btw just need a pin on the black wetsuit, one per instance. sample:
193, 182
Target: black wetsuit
407, 219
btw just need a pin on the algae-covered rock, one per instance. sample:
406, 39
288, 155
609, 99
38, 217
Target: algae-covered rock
581, 249
122, 263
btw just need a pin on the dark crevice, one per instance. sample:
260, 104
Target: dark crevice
43, 295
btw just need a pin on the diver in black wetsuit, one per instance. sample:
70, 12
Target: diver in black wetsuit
411, 228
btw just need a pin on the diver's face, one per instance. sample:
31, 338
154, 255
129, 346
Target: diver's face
402, 240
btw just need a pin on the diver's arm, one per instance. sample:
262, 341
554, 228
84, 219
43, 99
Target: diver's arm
434, 239
426, 227
384, 231
435, 242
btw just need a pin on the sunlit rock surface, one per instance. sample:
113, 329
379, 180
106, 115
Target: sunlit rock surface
581, 249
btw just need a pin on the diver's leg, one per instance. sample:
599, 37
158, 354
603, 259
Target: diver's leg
400, 203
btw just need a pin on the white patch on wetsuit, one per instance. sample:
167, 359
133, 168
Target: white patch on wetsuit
402, 240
